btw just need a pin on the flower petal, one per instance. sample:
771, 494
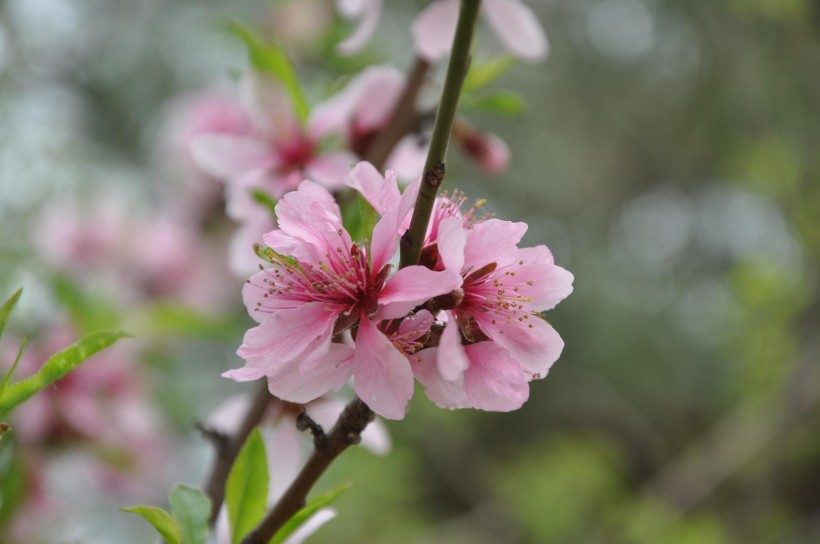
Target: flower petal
494, 381
434, 28
288, 333
533, 342
320, 373
517, 27
228, 157
368, 12
381, 374
452, 359
330, 170
381, 192
443, 393
545, 285
451, 241
411, 286
493, 240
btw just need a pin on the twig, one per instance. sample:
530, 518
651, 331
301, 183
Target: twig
356, 414
346, 432
434, 166
227, 448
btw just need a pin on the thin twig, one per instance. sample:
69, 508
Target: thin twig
357, 415
434, 166
346, 432
227, 448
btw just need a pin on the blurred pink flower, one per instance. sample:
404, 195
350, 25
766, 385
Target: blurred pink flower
368, 13
323, 283
512, 21
363, 108
488, 150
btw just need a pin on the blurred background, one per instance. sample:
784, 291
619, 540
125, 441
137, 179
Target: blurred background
669, 155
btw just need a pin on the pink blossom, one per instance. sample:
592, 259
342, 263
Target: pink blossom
367, 12
363, 108
495, 339
512, 21
321, 284
275, 157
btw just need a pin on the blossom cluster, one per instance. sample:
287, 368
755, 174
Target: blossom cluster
465, 321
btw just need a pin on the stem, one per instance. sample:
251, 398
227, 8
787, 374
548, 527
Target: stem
434, 166
227, 448
402, 119
347, 431
357, 414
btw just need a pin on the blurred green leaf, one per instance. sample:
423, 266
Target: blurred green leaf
246, 492
314, 505
483, 74
89, 310
172, 319
499, 102
192, 510
13, 481
271, 59
264, 198
57, 366
7, 379
161, 520
359, 218
7, 307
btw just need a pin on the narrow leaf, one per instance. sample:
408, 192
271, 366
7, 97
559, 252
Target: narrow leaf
501, 102
7, 307
481, 75
7, 379
246, 492
268, 57
192, 509
162, 521
57, 366
314, 505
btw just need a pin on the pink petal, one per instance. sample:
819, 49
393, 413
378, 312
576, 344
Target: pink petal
228, 414
247, 373
381, 192
378, 98
517, 27
443, 393
330, 170
369, 12
434, 28
494, 381
408, 157
228, 157
318, 374
416, 325
413, 285
451, 241
452, 359
548, 284
284, 448
381, 374
269, 106
491, 241
289, 333
535, 348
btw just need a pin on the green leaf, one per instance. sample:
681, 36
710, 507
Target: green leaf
192, 510
57, 366
481, 75
7, 307
314, 505
162, 521
271, 59
501, 102
246, 492
7, 379
264, 198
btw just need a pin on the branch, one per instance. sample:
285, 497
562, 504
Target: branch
357, 414
347, 431
227, 448
401, 120
434, 166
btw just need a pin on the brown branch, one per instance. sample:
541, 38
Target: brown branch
403, 118
346, 432
227, 448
